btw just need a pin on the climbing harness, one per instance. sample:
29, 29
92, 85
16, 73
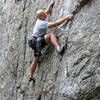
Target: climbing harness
36, 44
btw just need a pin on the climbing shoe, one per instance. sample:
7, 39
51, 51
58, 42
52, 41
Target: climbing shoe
62, 50
32, 79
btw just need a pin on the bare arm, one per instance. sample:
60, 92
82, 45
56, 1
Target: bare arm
48, 10
60, 21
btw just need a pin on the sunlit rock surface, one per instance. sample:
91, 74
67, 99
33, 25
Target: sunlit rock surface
73, 76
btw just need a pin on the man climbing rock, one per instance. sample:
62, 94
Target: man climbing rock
41, 37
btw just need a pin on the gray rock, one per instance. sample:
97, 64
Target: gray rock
73, 76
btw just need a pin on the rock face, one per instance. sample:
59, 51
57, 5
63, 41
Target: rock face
73, 76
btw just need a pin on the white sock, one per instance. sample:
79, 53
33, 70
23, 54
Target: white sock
59, 49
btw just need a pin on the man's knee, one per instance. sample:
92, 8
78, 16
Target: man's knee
52, 34
48, 36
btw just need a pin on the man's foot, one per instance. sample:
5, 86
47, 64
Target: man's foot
61, 50
32, 79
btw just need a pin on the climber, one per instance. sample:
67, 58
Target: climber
41, 38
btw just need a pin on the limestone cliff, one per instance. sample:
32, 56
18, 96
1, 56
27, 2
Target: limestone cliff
73, 76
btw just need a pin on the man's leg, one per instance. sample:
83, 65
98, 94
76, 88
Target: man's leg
52, 37
33, 66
